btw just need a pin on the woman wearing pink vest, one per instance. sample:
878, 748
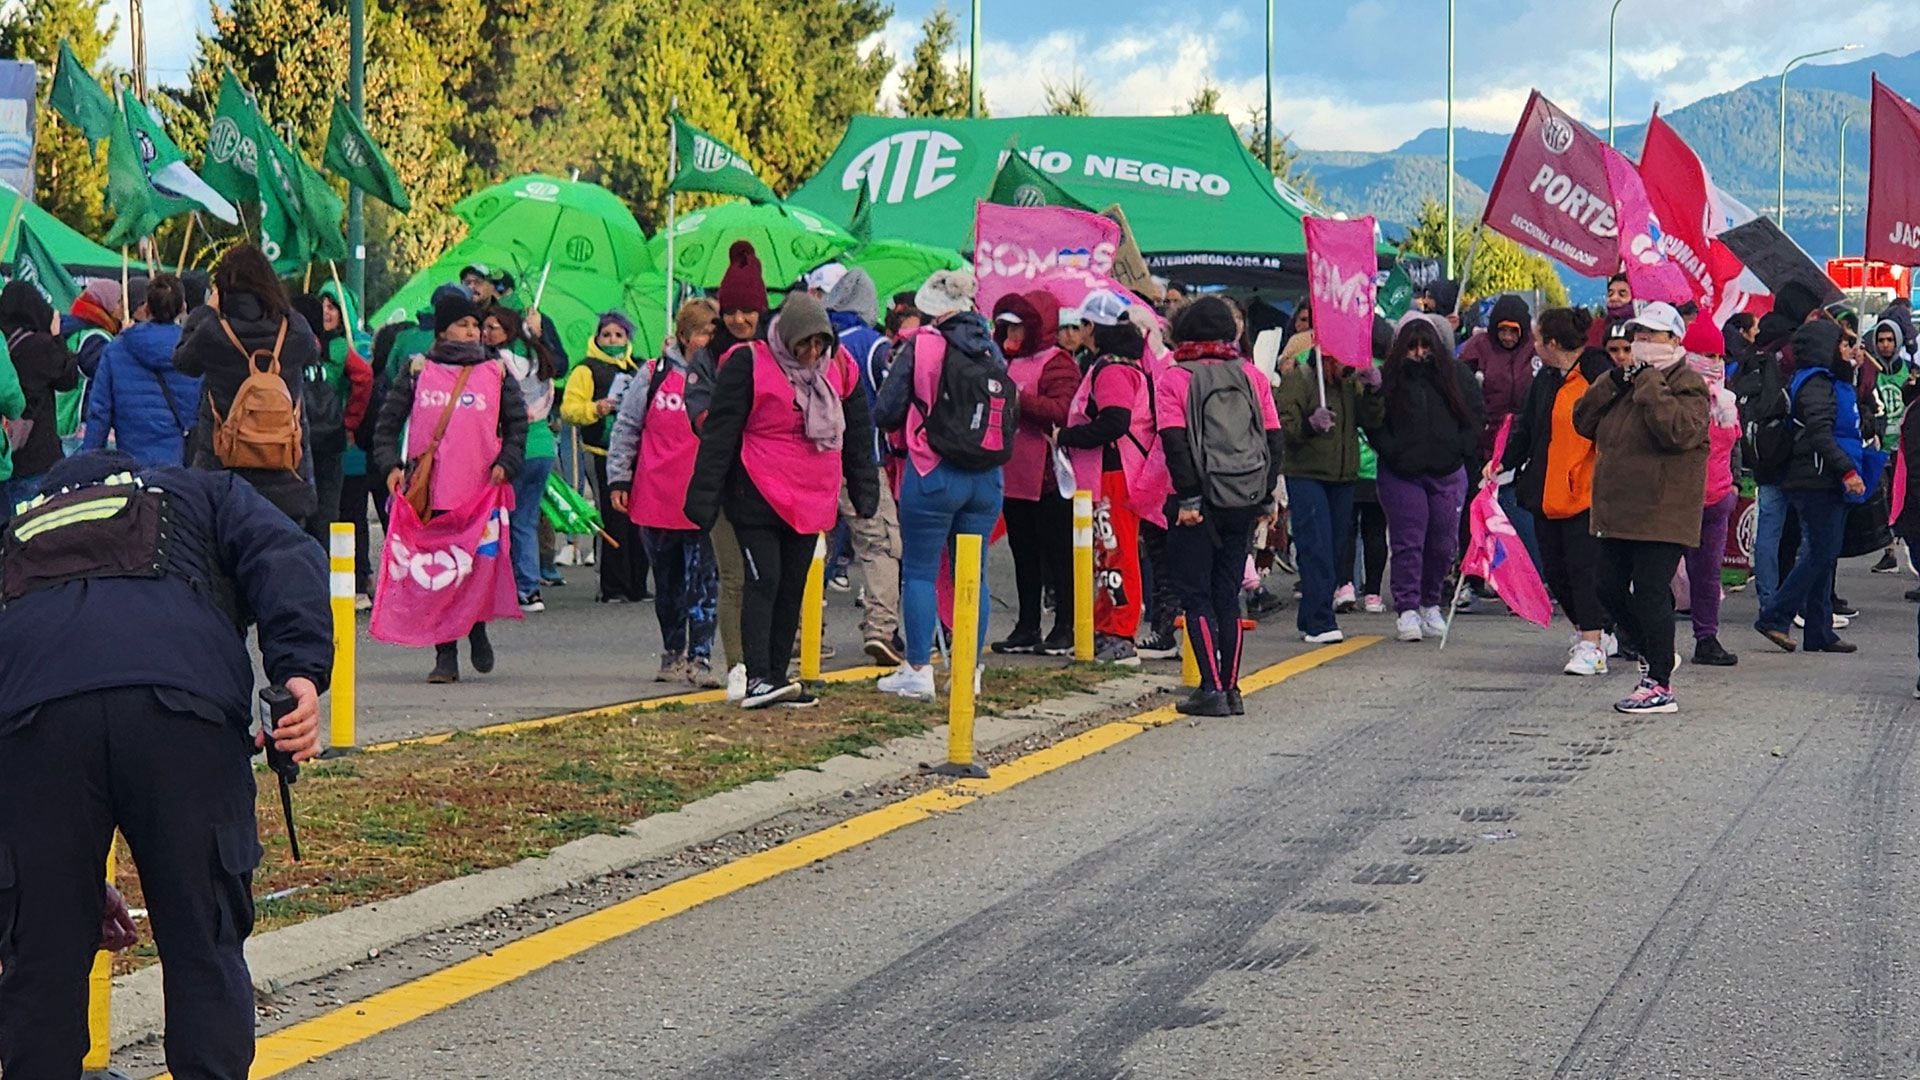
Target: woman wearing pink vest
780, 434
484, 443
1039, 519
649, 466
1706, 348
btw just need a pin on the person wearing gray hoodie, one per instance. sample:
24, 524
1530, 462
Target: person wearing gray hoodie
853, 307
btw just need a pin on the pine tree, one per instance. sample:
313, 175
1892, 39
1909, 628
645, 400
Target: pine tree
69, 180
1071, 98
1285, 155
931, 86
1204, 100
1499, 266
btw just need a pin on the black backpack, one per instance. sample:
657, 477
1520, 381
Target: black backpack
325, 414
971, 419
1227, 435
1766, 418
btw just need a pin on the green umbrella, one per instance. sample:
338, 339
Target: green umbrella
574, 301
790, 241
544, 221
900, 265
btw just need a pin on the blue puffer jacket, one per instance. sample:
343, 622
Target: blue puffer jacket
127, 398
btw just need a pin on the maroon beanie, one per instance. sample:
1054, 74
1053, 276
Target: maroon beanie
743, 288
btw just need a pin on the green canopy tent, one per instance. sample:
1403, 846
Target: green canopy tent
81, 256
1203, 209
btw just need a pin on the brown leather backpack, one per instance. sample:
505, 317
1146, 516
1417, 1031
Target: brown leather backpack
262, 427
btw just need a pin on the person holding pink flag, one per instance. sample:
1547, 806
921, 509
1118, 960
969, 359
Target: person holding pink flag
1706, 349
464, 426
1039, 519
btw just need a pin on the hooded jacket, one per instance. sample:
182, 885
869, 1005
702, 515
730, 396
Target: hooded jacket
205, 353
44, 367
852, 308
1334, 456
1553, 463
1822, 404
966, 332
1651, 435
139, 396
1505, 374
389, 449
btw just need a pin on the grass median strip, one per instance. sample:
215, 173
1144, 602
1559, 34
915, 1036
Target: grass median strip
376, 826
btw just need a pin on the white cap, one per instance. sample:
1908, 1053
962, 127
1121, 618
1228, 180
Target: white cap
1660, 316
1007, 317
1071, 316
1104, 307
825, 276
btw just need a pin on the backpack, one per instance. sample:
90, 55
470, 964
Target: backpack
262, 427
325, 413
971, 419
1227, 436
1766, 419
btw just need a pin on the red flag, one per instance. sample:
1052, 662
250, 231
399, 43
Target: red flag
1341, 264
1641, 240
1893, 186
1552, 191
1679, 192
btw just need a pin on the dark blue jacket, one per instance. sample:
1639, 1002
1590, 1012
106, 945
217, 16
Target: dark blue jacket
233, 555
127, 398
872, 352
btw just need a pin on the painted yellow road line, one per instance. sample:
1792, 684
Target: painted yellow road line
359, 1021
697, 697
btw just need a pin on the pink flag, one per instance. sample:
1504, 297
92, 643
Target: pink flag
444, 577
1551, 194
1893, 187
1494, 551
1340, 272
1017, 248
1652, 275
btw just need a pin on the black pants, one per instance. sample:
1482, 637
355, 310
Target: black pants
1163, 591
1040, 535
1636, 578
1570, 558
327, 479
1209, 559
623, 571
180, 789
355, 491
777, 560
1370, 528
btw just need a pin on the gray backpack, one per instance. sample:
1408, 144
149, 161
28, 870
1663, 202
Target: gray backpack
1227, 436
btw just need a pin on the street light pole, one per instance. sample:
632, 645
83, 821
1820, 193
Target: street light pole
357, 102
1780, 207
1840, 208
1449, 177
1269, 154
973, 63
1613, 19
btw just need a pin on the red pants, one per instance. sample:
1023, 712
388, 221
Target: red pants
1116, 560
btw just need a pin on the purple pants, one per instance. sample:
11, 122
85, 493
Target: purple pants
1423, 532
1703, 566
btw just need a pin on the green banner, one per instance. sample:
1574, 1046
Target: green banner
138, 152
35, 263
356, 158
707, 164
79, 99
283, 235
320, 213
1396, 294
232, 160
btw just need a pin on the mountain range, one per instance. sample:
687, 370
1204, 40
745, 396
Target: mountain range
1736, 134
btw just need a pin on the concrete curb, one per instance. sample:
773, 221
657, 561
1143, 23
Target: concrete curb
330, 943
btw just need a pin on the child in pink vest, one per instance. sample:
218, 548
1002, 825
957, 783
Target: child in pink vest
484, 442
1706, 348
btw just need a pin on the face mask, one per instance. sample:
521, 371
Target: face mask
1659, 354
616, 351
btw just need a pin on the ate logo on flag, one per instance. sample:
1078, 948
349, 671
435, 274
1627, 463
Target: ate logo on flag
356, 154
711, 157
226, 144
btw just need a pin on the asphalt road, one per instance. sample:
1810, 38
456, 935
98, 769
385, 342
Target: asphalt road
1404, 864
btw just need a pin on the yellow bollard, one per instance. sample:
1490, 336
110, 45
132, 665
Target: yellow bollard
811, 614
1189, 660
100, 1005
1083, 576
966, 658
341, 736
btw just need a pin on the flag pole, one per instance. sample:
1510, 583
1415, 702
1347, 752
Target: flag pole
1466, 268
126, 315
673, 166
187, 242
13, 221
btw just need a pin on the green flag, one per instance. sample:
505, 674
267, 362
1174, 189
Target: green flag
1018, 183
320, 213
138, 151
233, 151
1396, 295
283, 235
861, 227
356, 158
33, 263
707, 164
78, 98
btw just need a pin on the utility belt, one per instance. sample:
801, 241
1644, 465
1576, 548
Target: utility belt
117, 528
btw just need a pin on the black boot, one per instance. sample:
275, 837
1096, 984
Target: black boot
1024, 641
1708, 651
446, 663
1205, 703
1235, 703
482, 649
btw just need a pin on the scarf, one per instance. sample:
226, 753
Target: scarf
1659, 354
819, 406
1722, 408
623, 360
1188, 351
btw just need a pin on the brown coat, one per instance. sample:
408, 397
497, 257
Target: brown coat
1652, 441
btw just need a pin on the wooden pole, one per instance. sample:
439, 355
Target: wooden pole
187, 242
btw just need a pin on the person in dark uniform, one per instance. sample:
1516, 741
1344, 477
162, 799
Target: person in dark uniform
125, 701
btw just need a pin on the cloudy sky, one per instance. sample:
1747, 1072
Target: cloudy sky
1362, 75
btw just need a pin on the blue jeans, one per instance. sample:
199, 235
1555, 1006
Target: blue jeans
16, 491
1320, 513
524, 523
1768, 529
933, 509
687, 589
1522, 520
1807, 590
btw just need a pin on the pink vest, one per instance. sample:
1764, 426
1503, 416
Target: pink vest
1720, 440
1030, 471
472, 443
929, 362
1142, 458
668, 446
800, 481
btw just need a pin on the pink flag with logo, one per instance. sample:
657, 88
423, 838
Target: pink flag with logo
1551, 193
439, 579
1893, 185
1018, 248
1495, 553
1340, 273
1652, 275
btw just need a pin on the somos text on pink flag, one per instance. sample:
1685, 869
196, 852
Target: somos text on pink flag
1893, 189
1341, 267
1551, 194
1494, 552
1019, 248
439, 579
1652, 275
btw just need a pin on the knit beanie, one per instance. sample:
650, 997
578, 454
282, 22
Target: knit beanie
947, 292
1206, 319
1705, 338
802, 317
744, 286
694, 316
451, 308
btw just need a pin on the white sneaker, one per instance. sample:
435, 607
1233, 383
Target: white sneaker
1433, 621
1330, 637
362, 602
1374, 605
908, 681
737, 682
1409, 626
1344, 599
1840, 622
1587, 659
1609, 644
